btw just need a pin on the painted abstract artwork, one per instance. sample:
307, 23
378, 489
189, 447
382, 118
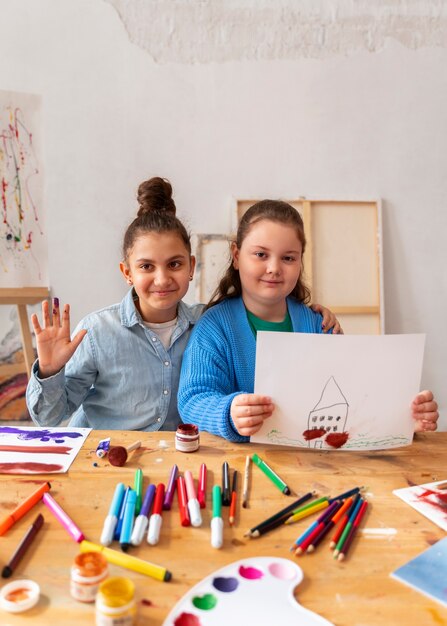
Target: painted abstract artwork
34, 450
23, 244
430, 499
338, 392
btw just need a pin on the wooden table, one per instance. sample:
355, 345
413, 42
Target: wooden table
357, 592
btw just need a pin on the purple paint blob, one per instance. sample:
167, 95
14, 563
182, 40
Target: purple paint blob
37, 433
251, 573
227, 585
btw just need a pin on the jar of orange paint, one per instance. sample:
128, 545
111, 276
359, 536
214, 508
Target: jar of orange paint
88, 571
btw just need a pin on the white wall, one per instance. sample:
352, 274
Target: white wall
349, 123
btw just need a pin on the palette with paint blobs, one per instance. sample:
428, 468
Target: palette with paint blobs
257, 591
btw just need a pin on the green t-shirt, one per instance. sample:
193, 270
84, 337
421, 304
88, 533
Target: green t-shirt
256, 323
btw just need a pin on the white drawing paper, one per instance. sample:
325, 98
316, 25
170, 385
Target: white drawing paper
36, 450
338, 391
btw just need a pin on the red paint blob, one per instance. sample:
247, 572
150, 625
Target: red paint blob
314, 433
146, 602
337, 440
187, 619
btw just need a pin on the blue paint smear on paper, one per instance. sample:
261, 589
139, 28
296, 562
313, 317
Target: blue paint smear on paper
41, 434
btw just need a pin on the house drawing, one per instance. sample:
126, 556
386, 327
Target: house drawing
329, 414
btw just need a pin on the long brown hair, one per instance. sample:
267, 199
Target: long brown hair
156, 214
276, 211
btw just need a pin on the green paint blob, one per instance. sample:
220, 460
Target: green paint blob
206, 602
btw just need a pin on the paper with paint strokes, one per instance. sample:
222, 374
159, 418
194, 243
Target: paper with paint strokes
430, 499
338, 391
34, 450
250, 591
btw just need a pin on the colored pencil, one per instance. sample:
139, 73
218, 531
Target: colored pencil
309, 510
347, 528
330, 524
321, 522
342, 522
353, 531
246, 481
280, 517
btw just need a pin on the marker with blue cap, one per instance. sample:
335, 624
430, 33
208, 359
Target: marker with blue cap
112, 518
142, 520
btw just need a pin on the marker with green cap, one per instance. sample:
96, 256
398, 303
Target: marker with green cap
276, 480
217, 521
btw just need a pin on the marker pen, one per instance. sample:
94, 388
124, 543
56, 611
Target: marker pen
183, 502
138, 486
201, 492
142, 520
155, 521
226, 493
129, 514
64, 519
217, 521
170, 489
119, 524
193, 503
112, 517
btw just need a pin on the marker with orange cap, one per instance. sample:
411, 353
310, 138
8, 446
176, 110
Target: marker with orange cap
23, 508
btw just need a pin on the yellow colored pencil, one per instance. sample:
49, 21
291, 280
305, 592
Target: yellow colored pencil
318, 506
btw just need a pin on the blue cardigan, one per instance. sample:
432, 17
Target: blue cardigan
219, 363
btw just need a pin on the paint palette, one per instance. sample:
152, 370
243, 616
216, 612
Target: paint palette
256, 591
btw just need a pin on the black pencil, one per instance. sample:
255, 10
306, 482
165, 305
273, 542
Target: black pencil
278, 518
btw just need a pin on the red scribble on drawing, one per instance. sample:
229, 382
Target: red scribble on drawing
434, 498
313, 433
337, 440
29, 468
37, 449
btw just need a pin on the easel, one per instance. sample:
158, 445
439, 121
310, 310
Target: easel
21, 297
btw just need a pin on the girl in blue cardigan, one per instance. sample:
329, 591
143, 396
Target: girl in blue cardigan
261, 290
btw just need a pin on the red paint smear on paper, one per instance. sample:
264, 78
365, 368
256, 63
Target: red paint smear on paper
314, 433
187, 619
440, 501
337, 440
37, 449
29, 468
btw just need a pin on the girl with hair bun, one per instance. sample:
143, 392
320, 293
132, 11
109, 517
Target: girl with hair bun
121, 368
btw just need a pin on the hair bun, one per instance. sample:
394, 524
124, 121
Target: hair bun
155, 194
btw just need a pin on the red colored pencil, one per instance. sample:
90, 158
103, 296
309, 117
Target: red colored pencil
330, 524
232, 516
183, 502
350, 537
321, 522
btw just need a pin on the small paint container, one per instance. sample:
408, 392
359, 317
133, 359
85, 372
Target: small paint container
88, 571
103, 448
19, 596
115, 602
187, 438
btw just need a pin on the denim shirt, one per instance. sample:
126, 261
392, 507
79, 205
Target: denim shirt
120, 378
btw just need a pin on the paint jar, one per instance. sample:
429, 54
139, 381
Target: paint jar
87, 573
187, 438
115, 602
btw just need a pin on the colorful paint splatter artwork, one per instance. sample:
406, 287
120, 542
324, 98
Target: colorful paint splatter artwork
246, 592
430, 499
23, 249
31, 450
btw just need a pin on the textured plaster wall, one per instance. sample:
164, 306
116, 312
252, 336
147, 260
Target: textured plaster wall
205, 31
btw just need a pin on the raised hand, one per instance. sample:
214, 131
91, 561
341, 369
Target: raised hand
54, 345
